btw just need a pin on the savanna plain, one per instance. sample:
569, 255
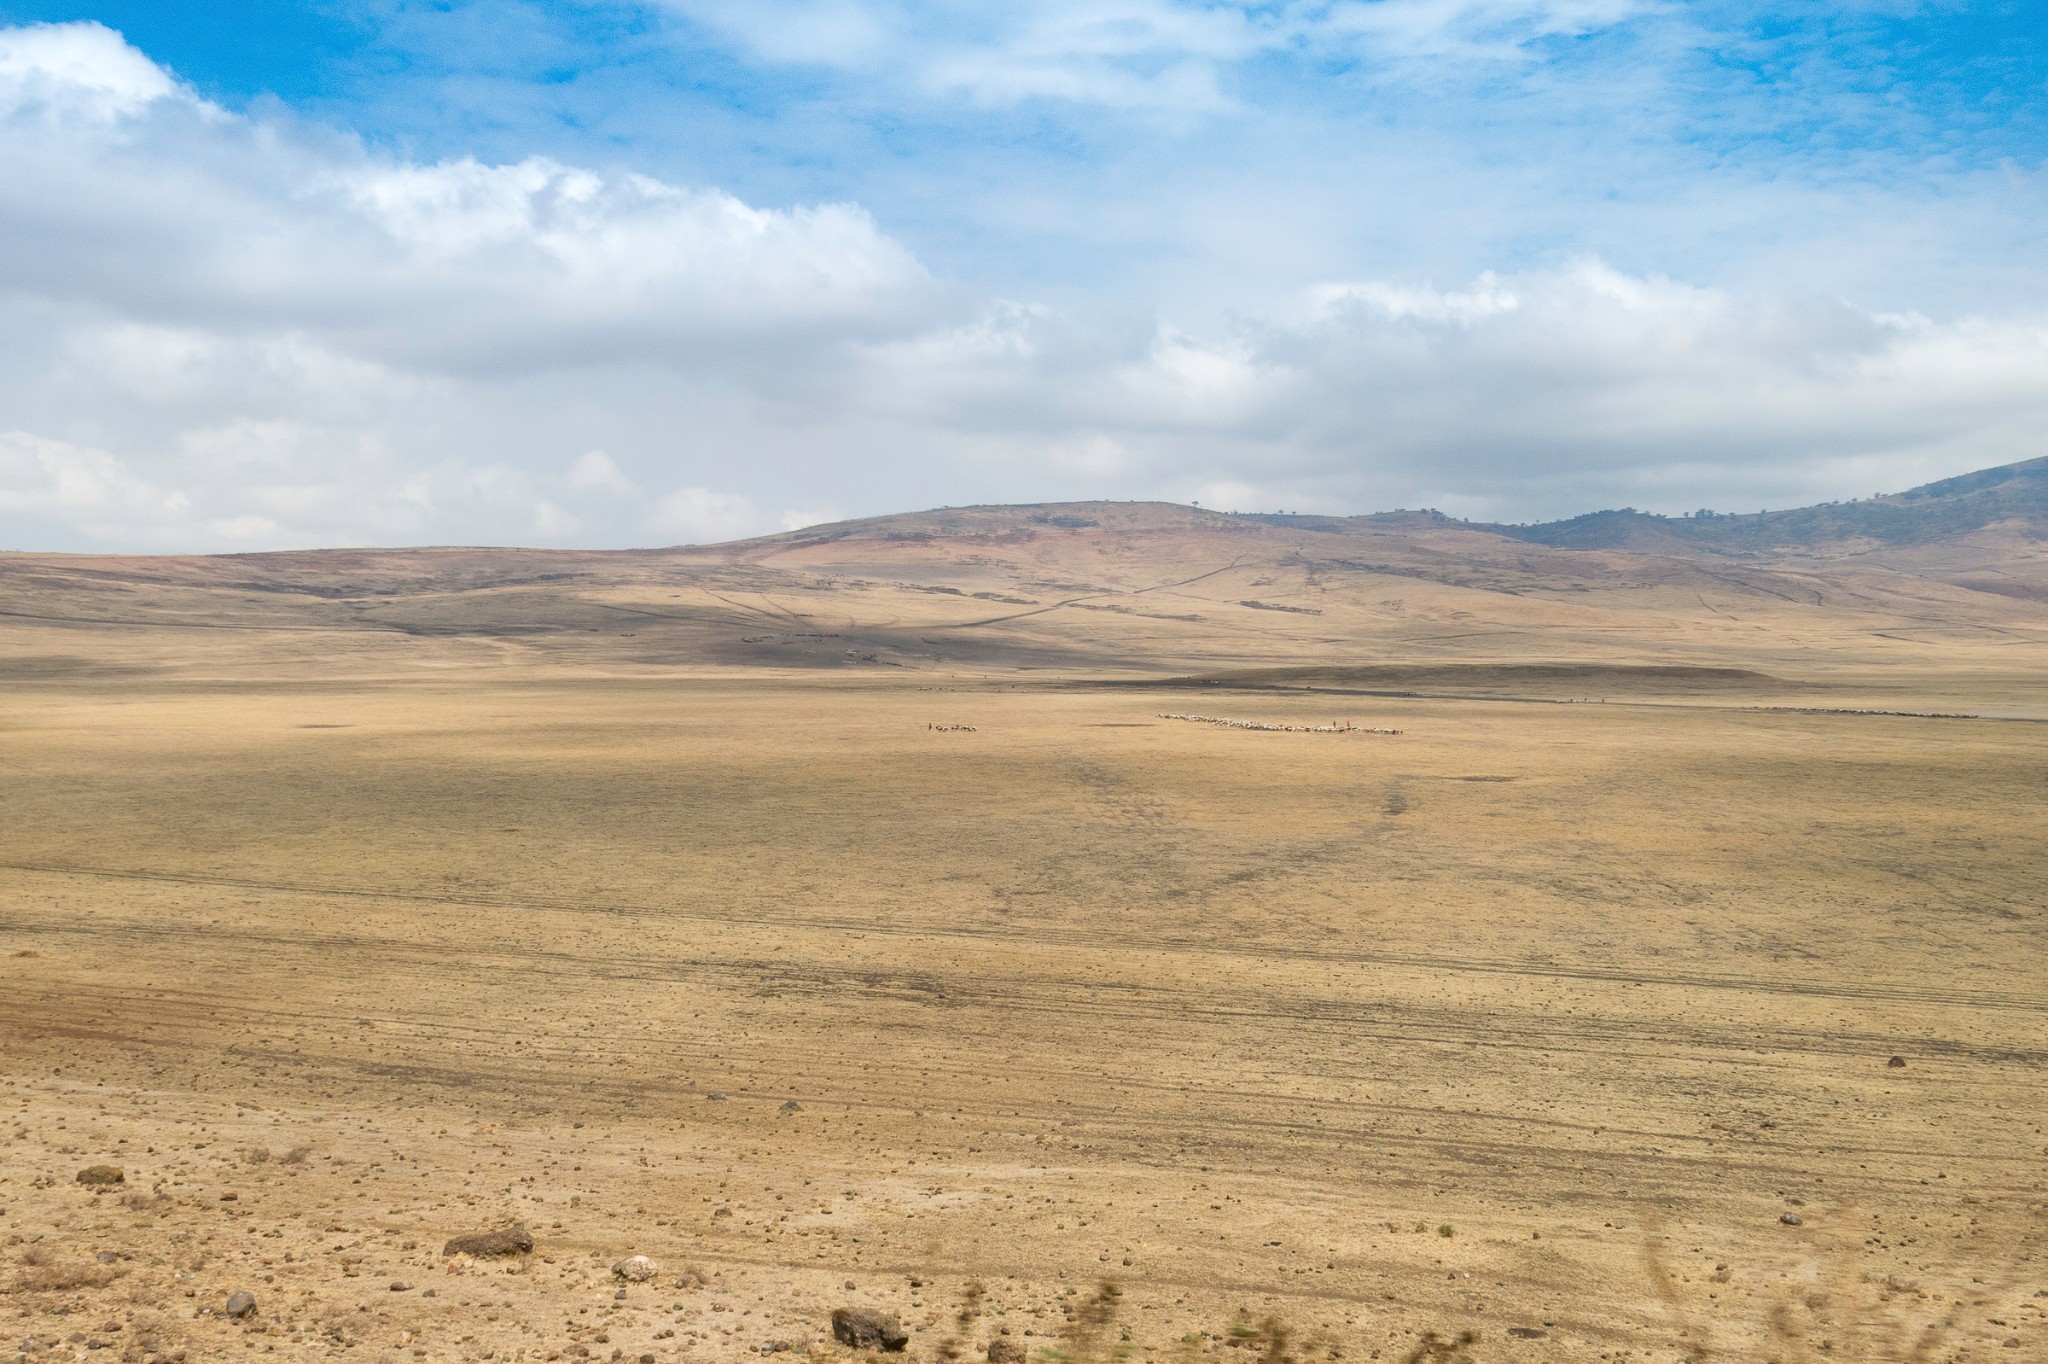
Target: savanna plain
1624, 956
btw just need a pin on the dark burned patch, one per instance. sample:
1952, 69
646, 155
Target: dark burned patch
1577, 679
63, 668
2018, 588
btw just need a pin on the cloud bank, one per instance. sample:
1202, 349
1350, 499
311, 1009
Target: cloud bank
228, 330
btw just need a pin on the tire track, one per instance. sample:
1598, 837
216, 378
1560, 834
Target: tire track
1043, 935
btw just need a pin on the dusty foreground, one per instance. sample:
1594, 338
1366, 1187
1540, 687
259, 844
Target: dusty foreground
1565, 1025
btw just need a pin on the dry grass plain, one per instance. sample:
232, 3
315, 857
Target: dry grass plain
1533, 1020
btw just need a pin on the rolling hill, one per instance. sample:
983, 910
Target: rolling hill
1154, 588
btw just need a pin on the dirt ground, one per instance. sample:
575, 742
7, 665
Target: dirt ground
1563, 1021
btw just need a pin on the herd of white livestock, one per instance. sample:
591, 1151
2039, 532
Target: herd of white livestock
1334, 727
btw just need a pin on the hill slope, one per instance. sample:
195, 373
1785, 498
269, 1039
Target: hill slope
1147, 587
2015, 495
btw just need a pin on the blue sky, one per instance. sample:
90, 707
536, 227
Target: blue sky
609, 273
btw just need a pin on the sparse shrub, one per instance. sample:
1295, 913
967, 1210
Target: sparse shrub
57, 1277
1434, 1347
954, 1346
1445, 1231
1088, 1327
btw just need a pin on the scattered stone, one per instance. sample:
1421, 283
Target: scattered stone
512, 1240
619, 1296
230, 1196
102, 1176
1792, 1219
692, 1277
399, 1286
1897, 1063
634, 1269
1002, 1351
1527, 1332
2012, 1342
865, 1330
716, 1094
790, 1106
242, 1305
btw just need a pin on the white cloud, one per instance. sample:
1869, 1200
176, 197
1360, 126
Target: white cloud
1491, 29
1164, 54
50, 478
78, 71
701, 516
595, 472
798, 520
223, 333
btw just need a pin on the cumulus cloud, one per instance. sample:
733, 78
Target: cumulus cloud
235, 332
595, 472
1544, 393
270, 316
698, 515
79, 71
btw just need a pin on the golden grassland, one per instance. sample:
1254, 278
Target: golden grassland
1532, 1022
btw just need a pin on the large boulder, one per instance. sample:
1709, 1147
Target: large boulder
866, 1330
512, 1240
634, 1269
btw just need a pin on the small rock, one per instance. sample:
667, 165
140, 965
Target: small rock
512, 1240
865, 1330
102, 1176
398, 1286
242, 1305
230, 1197
1002, 1351
790, 1106
634, 1269
1527, 1332
1792, 1219
716, 1094
2012, 1342
619, 1296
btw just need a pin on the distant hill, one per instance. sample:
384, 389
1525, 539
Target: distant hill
1126, 588
1945, 510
